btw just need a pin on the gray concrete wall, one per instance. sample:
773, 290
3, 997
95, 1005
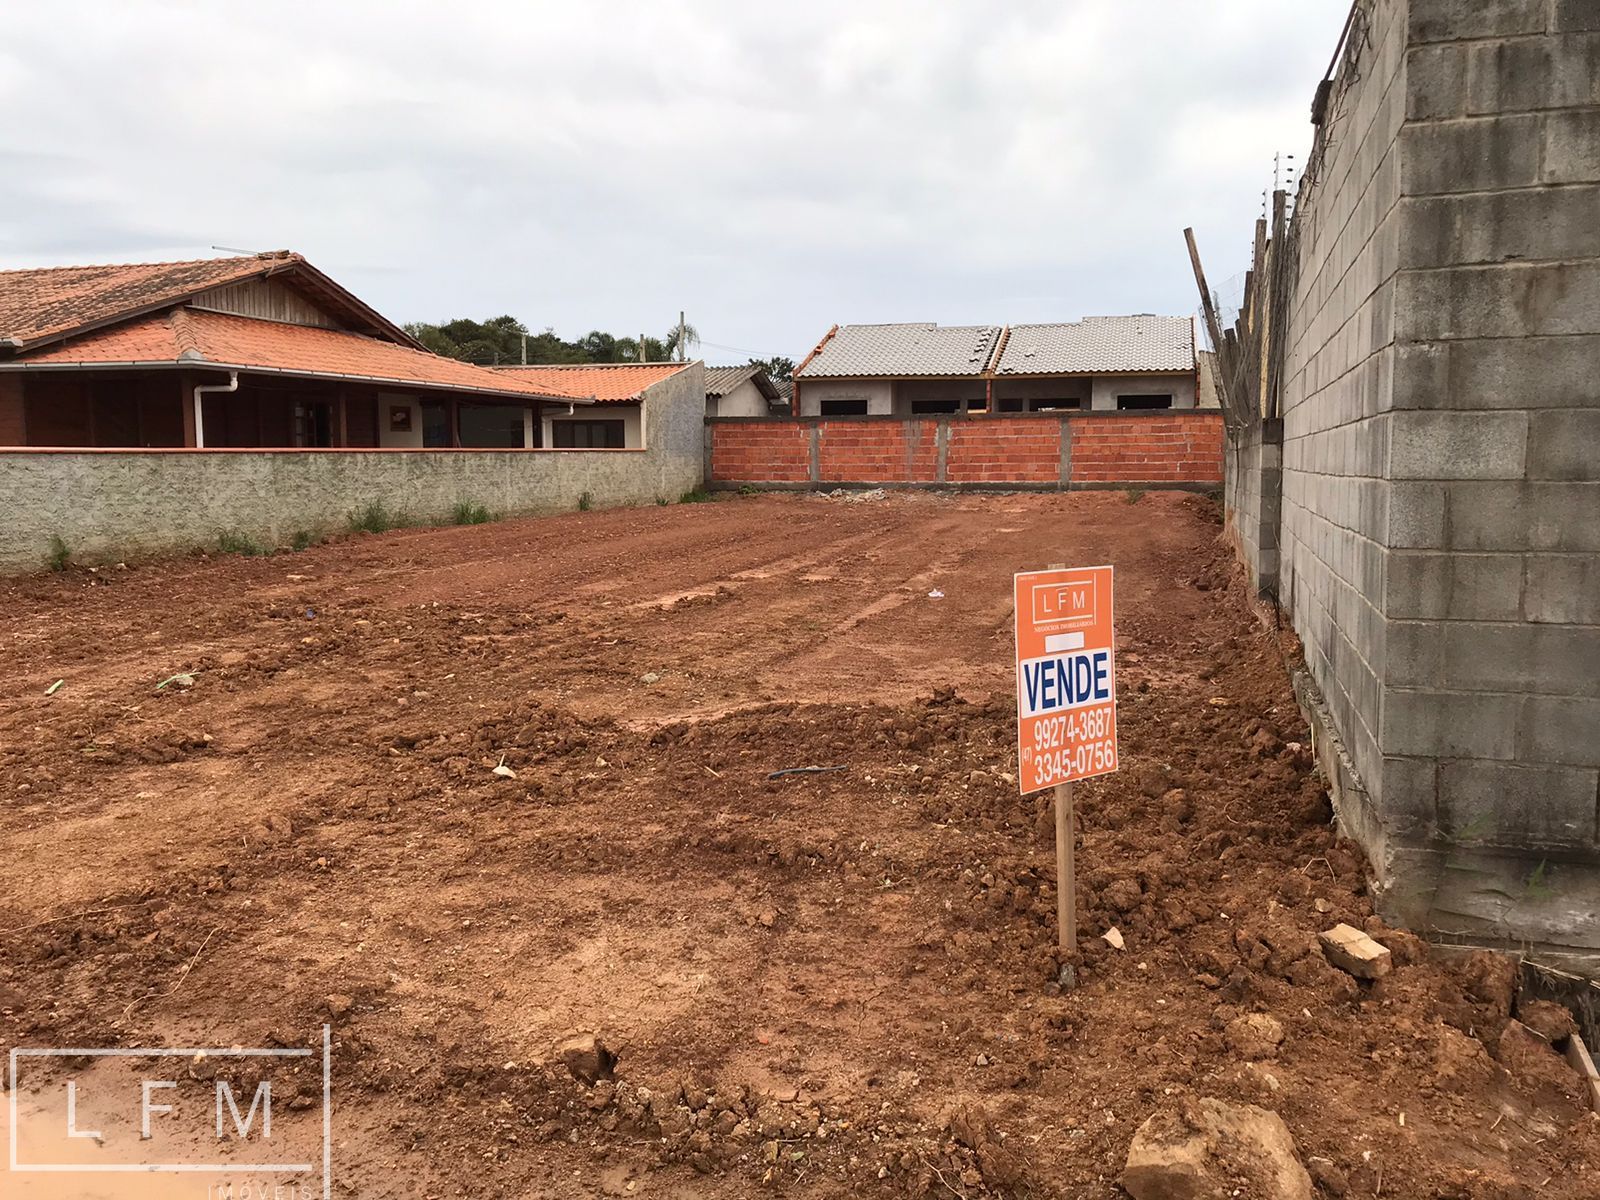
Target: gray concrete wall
1440, 518
1252, 495
878, 393
115, 505
1491, 716
1338, 372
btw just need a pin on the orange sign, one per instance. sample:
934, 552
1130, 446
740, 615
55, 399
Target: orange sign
1066, 677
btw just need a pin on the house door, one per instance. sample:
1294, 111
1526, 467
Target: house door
313, 423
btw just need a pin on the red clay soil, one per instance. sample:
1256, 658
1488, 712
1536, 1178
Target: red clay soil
833, 984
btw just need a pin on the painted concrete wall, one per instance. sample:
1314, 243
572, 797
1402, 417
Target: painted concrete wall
1440, 520
745, 400
633, 426
115, 504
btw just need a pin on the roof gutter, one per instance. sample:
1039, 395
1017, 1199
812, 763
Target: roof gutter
201, 390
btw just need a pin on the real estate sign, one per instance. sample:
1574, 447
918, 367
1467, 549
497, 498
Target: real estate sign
1066, 677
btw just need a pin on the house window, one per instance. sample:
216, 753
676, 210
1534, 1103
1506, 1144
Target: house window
490, 426
1071, 403
589, 435
843, 408
921, 407
436, 425
1143, 400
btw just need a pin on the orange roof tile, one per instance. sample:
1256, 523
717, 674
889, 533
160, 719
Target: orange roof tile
606, 382
197, 337
43, 305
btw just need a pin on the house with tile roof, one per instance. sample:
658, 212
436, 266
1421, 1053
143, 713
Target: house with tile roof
615, 395
1097, 364
259, 351
745, 391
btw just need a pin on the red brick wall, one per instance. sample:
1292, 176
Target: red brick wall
877, 451
769, 452
1176, 447
1010, 450
1169, 447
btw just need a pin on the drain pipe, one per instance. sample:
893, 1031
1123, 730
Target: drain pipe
199, 413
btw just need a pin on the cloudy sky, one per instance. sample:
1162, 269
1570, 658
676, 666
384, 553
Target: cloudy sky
770, 168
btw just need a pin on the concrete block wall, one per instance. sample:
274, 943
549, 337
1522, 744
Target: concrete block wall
1491, 716
114, 504
1439, 533
1056, 452
1253, 499
1337, 377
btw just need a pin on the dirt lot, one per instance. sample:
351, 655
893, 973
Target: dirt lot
820, 985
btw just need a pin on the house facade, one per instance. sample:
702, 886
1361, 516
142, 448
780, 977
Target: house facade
152, 408
1105, 364
613, 399
258, 352
745, 391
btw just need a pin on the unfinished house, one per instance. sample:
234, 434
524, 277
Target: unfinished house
1104, 364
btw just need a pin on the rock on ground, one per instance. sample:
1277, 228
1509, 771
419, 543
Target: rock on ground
1254, 1035
1207, 1148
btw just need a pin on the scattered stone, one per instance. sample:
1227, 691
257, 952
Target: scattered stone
1255, 1035
1548, 1019
1351, 950
339, 1005
767, 918
650, 677
1207, 1148
586, 1058
1113, 938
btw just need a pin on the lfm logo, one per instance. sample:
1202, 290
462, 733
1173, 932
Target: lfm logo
1060, 602
73, 1111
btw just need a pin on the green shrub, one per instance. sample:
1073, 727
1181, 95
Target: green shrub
60, 554
467, 513
374, 517
749, 489
303, 539
662, 501
695, 496
231, 542
585, 501
1135, 495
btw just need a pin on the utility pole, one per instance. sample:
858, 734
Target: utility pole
524, 349
682, 349
644, 351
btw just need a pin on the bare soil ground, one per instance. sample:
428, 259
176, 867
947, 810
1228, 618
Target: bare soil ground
836, 984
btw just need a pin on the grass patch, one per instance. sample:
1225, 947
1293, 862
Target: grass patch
585, 501
468, 513
695, 496
375, 517
749, 489
60, 553
1134, 495
230, 542
303, 539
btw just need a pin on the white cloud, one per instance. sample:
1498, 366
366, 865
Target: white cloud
769, 168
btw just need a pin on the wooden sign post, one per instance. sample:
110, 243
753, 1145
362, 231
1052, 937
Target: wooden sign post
1066, 707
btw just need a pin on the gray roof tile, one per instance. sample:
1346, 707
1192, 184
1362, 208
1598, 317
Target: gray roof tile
899, 351
1100, 344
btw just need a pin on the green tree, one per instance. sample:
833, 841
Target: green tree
778, 368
